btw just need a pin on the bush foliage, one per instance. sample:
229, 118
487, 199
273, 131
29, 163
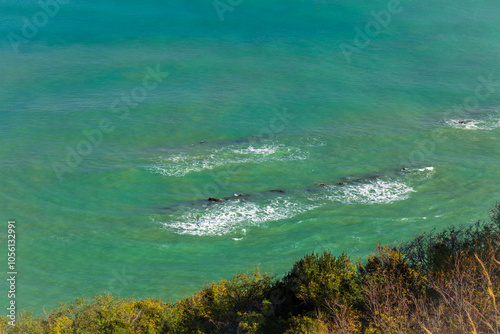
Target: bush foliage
446, 282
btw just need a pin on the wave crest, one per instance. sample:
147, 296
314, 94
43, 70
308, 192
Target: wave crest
373, 192
227, 217
180, 164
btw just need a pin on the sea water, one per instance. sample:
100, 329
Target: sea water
119, 119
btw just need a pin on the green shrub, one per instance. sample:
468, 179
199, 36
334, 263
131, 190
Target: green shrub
388, 266
307, 325
220, 306
25, 324
250, 322
436, 251
317, 280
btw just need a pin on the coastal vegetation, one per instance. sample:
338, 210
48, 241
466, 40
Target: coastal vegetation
438, 282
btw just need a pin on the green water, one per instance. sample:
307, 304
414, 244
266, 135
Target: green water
277, 106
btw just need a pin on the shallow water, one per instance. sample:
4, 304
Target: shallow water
108, 175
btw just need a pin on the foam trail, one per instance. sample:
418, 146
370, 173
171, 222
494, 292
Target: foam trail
420, 173
373, 192
180, 164
479, 124
227, 217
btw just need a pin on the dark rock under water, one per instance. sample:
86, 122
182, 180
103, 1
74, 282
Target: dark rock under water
352, 179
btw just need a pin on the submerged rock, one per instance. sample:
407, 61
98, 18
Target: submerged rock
349, 180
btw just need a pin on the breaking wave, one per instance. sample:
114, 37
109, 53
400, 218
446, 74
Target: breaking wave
231, 216
370, 192
180, 164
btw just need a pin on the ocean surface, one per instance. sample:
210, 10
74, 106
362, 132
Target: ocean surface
119, 119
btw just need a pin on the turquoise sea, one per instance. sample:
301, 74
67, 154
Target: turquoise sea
119, 119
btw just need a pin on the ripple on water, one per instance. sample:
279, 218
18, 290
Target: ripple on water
179, 164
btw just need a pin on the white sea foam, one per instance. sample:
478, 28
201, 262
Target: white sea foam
423, 173
425, 169
180, 164
234, 216
479, 124
419, 170
264, 150
313, 142
227, 217
420, 173
372, 192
